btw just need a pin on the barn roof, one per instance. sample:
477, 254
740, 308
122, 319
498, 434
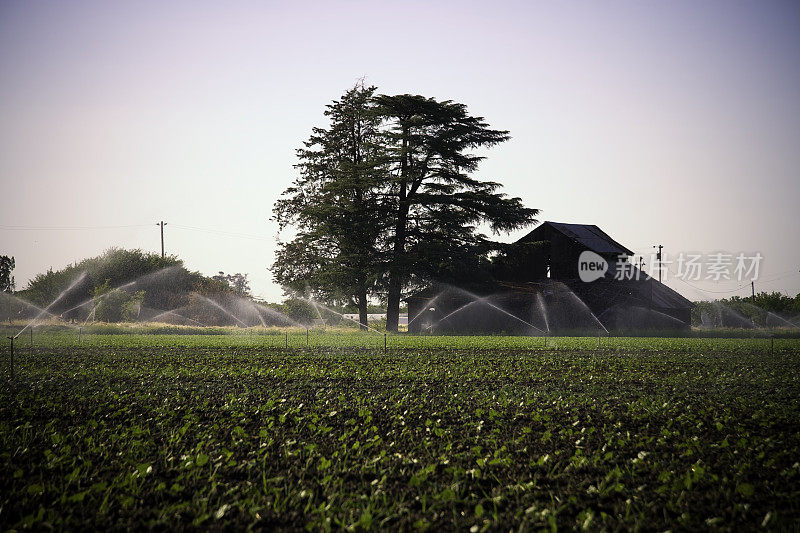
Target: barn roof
641, 287
587, 235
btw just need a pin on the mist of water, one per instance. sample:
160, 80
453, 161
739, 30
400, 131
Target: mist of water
58, 298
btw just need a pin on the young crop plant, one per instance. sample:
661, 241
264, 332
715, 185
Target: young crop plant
239, 431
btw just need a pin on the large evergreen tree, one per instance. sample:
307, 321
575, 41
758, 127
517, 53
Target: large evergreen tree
6, 278
386, 200
436, 204
336, 206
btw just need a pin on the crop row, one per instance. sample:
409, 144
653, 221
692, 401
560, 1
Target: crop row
127, 436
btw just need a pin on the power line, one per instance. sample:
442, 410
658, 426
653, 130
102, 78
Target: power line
708, 291
744, 286
68, 228
122, 226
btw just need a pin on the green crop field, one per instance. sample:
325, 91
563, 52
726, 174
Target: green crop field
351, 430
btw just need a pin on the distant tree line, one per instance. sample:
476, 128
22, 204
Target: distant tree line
768, 309
386, 200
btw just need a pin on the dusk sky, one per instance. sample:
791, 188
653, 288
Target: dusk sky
674, 123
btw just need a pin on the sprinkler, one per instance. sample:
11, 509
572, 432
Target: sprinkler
307, 337
385, 344
287, 339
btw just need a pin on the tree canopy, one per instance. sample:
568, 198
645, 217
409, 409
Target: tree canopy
437, 202
6, 278
336, 206
387, 199
238, 282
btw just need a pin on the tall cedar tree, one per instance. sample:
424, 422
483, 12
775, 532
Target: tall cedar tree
6, 268
336, 206
436, 204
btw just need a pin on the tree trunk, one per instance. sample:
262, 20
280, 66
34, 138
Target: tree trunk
362, 308
397, 268
396, 272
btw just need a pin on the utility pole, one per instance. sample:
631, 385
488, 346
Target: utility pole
162, 224
658, 258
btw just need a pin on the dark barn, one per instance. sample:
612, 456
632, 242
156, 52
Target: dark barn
537, 288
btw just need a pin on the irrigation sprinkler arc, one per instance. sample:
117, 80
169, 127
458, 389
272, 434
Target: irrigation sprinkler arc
482, 300
769, 315
124, 286
543, 308
173, 312
58, 298
564, 289
315, 304
38, 309
218, 306
430, 326
425, 307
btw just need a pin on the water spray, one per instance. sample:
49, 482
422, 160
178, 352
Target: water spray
47, 309
426, 307
485, 301
315, 304
218, 306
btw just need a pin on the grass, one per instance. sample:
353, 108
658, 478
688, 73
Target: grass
472, 433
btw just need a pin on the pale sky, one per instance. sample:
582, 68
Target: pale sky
674, 123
